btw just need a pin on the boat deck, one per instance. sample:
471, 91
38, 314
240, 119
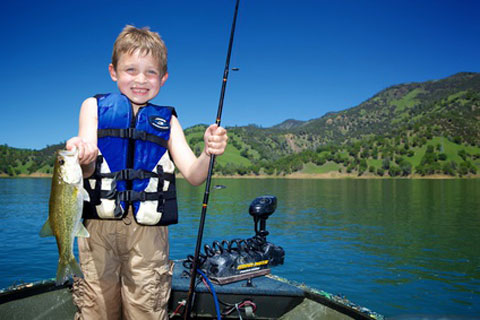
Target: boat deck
272, 298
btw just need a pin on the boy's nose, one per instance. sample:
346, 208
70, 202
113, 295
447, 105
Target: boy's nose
141, 78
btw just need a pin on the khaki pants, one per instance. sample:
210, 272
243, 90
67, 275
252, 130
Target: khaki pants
127, 273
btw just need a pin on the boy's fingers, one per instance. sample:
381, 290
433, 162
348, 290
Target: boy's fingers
81, 151
219, 139
92, 152
72, 142
89, 153
216, 138
212, 128
86, 153
220, 131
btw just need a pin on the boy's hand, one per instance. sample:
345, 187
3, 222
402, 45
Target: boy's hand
215, 140
87, 151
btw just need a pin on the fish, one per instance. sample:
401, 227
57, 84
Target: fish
65, 212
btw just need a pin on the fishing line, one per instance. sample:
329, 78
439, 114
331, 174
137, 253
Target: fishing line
193, 274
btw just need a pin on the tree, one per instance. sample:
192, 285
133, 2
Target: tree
365, 154
449, 168
405, 168
420, 169
362, 167
244, 153
11, 171
386, 163
463, 154
350, 168
380, 172
463, 169
394, 171
319, 160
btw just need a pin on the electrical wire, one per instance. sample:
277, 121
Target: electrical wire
214, 294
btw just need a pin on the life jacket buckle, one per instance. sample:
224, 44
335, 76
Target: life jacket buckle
126, 133
124, 174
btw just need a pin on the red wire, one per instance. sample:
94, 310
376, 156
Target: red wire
249, 303
180, 304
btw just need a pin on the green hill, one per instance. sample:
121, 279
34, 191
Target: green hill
393, 127
425, 128
15, 161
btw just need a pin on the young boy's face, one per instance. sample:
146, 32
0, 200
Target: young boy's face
138, 76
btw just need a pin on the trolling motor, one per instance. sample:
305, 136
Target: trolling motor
229, 261
260, 209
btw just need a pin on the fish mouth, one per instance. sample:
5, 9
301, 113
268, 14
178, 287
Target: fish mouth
68, 153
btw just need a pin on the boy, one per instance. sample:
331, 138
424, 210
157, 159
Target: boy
125, 144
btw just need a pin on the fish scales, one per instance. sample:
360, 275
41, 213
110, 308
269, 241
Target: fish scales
65, 212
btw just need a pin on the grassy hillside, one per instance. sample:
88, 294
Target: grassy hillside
423, 129
15, 161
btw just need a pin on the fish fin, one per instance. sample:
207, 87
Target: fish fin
86, 196
46, 230
67, 269
82, 231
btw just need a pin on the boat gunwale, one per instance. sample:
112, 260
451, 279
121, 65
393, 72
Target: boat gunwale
25, 290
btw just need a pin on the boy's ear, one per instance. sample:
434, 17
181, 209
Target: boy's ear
113, 73
164, 78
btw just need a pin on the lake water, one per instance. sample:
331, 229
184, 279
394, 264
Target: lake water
395, 246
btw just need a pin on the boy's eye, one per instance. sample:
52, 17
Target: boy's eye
130, 70
152, 72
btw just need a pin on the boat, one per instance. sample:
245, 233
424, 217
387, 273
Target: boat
237, 284
264, 297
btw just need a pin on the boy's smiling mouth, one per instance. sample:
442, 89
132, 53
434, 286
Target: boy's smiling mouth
139, 91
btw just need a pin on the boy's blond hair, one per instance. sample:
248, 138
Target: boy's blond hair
132, 39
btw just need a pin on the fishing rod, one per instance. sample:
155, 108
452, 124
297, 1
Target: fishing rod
193, 271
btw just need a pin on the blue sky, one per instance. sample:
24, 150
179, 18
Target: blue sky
297, 59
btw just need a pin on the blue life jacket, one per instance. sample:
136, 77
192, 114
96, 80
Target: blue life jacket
134, 165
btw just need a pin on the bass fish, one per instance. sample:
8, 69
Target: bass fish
65, 212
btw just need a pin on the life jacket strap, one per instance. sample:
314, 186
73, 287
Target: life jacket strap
161, 182
132, 174
95, 194
131, 195
132, 133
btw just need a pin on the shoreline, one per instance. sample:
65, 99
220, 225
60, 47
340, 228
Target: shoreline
298, 175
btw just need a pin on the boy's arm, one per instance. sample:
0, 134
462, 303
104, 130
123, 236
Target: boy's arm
86, 141
194, 169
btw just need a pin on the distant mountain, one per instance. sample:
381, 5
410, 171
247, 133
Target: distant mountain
289, 124
448, 107
422, 128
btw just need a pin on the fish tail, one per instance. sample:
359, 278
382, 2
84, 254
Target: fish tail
66, 269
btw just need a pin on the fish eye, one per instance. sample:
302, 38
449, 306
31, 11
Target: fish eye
61, 162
